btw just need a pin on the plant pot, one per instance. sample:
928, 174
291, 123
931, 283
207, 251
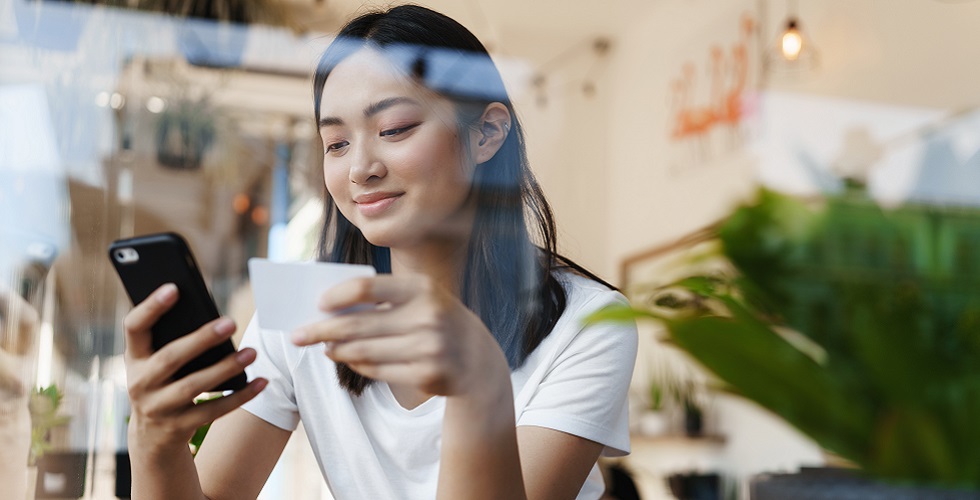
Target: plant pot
827, 483
695, 486
693, 421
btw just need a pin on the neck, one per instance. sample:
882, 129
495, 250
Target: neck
442, 261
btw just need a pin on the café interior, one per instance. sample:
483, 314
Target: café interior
826, 149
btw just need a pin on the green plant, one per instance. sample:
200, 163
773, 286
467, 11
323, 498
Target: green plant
857, 325
198, 438
44, 404
656, 396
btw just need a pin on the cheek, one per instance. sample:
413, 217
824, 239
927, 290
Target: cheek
433, 158
335, 179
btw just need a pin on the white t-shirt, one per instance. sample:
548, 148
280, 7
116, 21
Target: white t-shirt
372, 447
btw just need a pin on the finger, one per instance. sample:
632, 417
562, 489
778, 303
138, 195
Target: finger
390, 349
385, 288
415, 374
165, 362
350, 326
209, 411
139, 321
183, 391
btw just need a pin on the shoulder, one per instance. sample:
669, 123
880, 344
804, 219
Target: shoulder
584, 295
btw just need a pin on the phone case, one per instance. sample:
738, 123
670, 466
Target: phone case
166, 258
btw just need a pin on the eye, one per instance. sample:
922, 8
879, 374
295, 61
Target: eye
337, 146
395, 131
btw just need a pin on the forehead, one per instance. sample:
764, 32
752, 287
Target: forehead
361, 79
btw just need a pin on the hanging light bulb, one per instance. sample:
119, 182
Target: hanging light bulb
792, 41
792, 53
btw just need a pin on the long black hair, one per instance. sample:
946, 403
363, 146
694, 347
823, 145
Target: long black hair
508, 280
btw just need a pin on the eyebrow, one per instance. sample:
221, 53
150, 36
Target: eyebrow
371, 110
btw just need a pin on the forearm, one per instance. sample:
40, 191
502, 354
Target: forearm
480, 457
164, 472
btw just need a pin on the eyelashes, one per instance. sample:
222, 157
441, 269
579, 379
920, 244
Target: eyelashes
395, 131
387, 133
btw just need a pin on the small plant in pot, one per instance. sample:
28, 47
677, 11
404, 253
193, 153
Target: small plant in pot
44, 408
693, 411
857, 325
654, 421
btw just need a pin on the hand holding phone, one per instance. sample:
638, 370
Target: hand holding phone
146, 263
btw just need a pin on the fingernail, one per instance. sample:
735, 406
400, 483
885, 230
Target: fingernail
167, 293
327, 348
245, 357
260, 384
224, 327
299, 337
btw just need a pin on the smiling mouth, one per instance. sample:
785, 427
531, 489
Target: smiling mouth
375, 205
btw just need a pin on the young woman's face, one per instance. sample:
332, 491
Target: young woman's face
393, 162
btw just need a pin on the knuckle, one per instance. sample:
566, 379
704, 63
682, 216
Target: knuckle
363, 288
131, 323
187, 388
350, 325
166, 360
430, 375
354, 352
153, 412
435, 347
136, 388
431, 318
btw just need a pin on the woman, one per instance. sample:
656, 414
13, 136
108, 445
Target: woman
465, 370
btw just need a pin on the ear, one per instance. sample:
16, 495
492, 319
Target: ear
489, 133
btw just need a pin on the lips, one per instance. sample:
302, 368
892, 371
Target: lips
371, 204
368, 198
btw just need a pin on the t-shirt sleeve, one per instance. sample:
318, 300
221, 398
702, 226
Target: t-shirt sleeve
584, 391
276, 403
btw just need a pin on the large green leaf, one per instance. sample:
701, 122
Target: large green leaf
765, 368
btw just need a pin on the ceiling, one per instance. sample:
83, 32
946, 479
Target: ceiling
536, 30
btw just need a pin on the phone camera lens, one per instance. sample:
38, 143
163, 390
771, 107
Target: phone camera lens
126, 255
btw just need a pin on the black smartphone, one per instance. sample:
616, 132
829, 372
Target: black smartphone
145, 263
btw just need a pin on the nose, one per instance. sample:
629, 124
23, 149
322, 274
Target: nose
365, 166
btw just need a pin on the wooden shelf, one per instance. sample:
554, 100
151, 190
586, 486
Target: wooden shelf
678, 439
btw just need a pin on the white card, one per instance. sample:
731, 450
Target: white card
287, 293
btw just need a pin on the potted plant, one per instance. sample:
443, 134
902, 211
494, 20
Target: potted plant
857, 325
653, 421
689, 399
44, 404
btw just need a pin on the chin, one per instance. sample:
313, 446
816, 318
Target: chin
382, 237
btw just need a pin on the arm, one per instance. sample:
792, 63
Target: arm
483, 453
232, 441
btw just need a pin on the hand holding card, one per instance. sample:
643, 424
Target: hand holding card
287, 293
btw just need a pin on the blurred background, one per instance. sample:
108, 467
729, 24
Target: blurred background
647, 121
